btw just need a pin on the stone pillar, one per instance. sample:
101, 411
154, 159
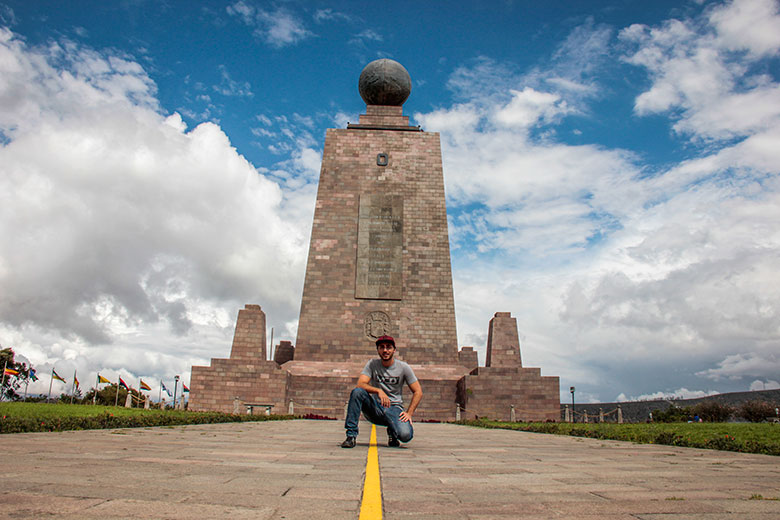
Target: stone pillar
601, 415
291, 408
146, 403
503, 344
620, 415
129, 399
585, 416
457, 413
512, 416
249, 338
566, 414
236, 405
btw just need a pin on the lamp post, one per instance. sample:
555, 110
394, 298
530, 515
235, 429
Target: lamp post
573, 416
175, 386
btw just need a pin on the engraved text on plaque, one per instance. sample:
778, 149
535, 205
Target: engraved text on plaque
379, 247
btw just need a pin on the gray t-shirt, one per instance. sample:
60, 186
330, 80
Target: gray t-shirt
390, 379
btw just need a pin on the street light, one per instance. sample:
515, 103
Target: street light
175, 385
573, 416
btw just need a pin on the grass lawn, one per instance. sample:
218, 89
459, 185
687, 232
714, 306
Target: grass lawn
743, 437
18, 417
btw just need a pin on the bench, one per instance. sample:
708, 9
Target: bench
250, 407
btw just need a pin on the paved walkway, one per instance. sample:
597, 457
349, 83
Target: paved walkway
295, 470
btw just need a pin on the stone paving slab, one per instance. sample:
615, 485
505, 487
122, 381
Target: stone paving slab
295, 470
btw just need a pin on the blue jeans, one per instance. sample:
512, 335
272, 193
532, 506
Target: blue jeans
373, 411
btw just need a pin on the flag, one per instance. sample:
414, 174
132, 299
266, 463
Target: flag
184, 387
10, 372
144, 386
31, 374
55, 375
122, 383
166, 390
76, 380
102, 379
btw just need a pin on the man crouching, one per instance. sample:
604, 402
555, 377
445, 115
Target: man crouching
379, 396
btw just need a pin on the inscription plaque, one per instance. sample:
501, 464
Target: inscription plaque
379, 247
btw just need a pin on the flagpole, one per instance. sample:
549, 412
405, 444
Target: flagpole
51, 381
73, 387
97, 385
116, 401
26, 382
159, 399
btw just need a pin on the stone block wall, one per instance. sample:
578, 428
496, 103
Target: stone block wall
491, 392
216, 386
333, 321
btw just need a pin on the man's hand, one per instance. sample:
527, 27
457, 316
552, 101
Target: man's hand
383, 398
405, 417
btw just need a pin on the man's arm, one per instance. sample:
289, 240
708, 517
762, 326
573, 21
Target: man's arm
416, 398
363, 382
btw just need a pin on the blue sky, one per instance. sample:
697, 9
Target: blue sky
611, 172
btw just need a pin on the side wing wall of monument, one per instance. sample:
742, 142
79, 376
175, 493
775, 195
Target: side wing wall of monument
379, 174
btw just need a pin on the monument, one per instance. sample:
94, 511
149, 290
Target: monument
379, 263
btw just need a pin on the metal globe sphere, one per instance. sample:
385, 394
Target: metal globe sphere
384, 82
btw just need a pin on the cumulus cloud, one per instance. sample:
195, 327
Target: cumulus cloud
715, 91
764, 385
618, 273
680, 393
741, 365
118, 225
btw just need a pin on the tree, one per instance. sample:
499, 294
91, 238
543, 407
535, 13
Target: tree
107, 395
756, 411
11, 383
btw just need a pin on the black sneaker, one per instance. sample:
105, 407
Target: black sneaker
392, 442
349, 442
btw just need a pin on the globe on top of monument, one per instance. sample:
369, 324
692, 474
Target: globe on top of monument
384, 82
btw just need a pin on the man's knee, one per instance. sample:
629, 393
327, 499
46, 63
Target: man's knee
357, 393
405, 432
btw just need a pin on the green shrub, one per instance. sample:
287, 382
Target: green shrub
756, 411
712, 411
673, 414
21, 424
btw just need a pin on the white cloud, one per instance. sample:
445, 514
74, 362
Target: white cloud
705, 72
131, 229
752, 25
325, 15
744, 365
764, 385
230, 87
680, 393
278, 28
636, 275
529, 106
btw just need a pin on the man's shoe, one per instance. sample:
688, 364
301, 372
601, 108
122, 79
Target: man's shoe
392, 442
349, 442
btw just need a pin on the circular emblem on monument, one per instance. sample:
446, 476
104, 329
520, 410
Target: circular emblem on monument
377, 324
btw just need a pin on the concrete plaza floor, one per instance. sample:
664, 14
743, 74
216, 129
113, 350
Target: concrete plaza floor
296, 470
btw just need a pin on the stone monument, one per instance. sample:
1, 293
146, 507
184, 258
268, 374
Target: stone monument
379, 263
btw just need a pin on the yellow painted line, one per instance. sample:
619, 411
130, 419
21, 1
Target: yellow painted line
371, 505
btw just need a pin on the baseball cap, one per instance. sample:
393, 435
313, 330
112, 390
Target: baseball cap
385, 339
